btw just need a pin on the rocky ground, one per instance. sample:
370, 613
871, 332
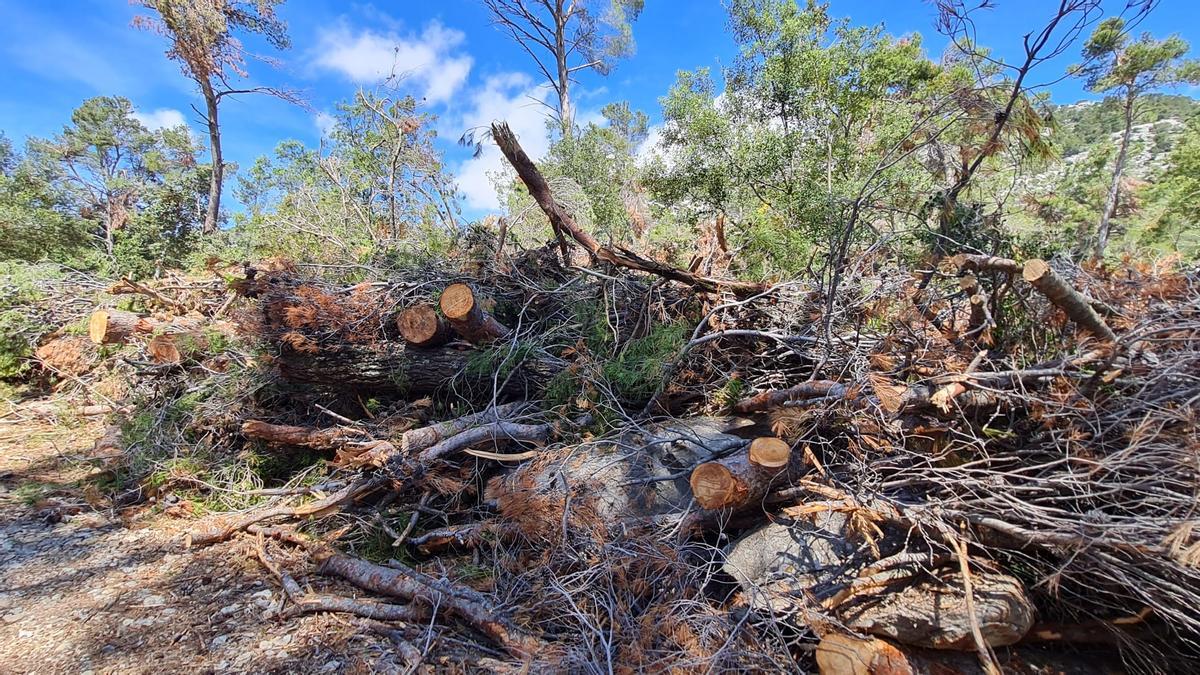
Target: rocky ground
95, 590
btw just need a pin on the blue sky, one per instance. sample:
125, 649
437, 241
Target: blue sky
60, 52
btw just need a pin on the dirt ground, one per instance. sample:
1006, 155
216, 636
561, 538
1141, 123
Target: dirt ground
85, 588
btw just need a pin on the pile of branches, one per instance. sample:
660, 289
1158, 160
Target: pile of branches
605, 462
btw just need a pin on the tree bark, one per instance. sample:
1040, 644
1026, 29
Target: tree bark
1114, 188
601, 487
213, 213
563, 88
175, 347
463, 311
411, 585
968, 261
393, 368
308, 437
1077, 306
775, 398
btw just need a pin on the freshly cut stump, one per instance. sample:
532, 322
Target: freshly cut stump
714, 485
741, 480
420, 326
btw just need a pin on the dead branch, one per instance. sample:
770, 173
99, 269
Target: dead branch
466, 605
562, 220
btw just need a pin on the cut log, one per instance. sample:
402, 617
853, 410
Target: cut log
602, 487
967, 261
933, 612
981, 320
420, 326
69, 354
114, 326
839, 654
770, 452
1077, 306
893, 586
463, 310
734, 482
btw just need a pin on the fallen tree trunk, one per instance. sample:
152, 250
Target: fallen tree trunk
562, 221
470, 320
1077, 306
394, 368
840, 654
420, 326
597, 487
175, 347
114, 326
968, 261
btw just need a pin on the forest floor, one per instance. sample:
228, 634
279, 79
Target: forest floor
93, 589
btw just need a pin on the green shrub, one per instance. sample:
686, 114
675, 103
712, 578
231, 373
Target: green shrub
21, 324
636, 372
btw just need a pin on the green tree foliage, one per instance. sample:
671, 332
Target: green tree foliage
1083, 125
375, 189
1176, 198
35, 222
108, 184
1126, 68
816, 125
602, 162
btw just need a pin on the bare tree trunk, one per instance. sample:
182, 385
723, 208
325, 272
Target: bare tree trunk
1114, 188
218, 166
564, 73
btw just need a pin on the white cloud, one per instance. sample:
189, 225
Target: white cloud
162, 118
508, 97
651, 148
429, 61
325, 123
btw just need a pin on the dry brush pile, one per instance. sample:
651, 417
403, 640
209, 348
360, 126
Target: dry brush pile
578, 458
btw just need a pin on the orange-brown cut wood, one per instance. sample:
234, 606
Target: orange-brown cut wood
770, 452
114, 326
420, 326
463, 311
